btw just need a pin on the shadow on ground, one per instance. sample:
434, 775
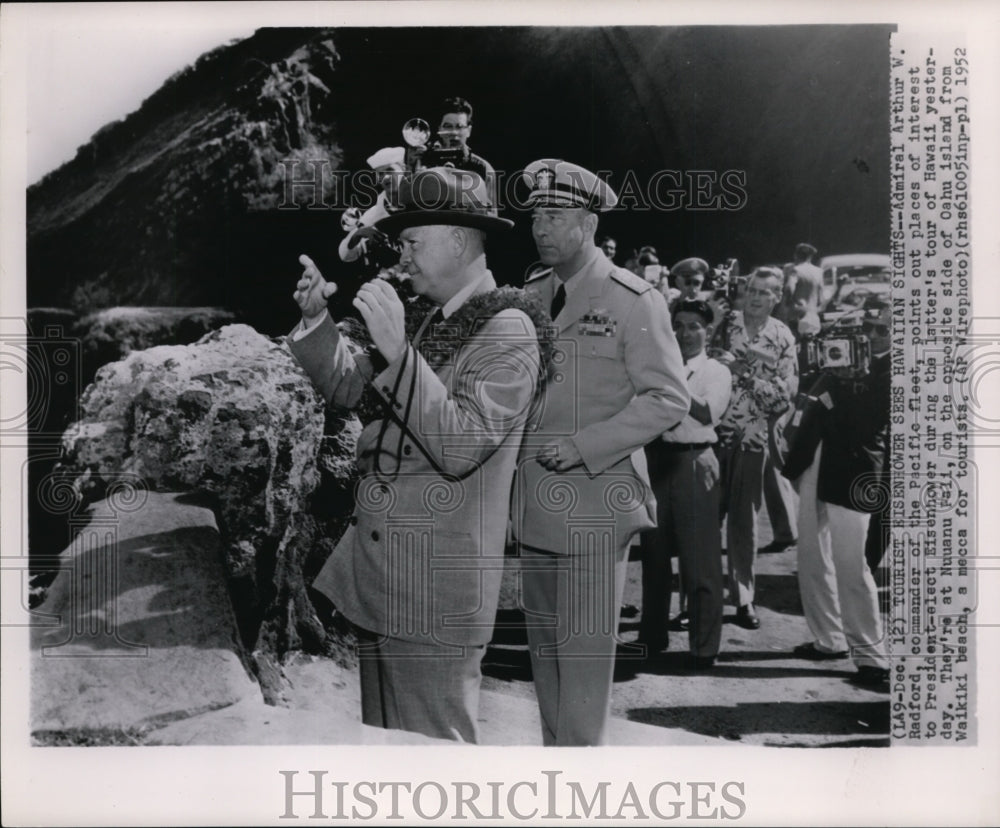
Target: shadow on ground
507, 664
807, 718
728, 666
778, 593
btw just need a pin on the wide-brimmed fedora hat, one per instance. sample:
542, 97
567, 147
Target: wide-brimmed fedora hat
443, 195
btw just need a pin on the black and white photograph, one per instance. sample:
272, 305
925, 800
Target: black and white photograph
423, 411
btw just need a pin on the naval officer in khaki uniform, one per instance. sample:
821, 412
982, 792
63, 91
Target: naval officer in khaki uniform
582, 490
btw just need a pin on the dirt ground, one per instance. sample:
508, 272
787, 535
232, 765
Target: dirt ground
757, 693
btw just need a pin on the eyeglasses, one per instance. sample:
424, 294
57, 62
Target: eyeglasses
881, 330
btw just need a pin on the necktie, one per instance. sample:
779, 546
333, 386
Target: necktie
558, 300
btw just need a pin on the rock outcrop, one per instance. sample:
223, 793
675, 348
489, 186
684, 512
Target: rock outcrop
233, 419
64, 352
138, 630
112, 333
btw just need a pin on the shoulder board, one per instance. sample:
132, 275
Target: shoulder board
541, 274
631, 281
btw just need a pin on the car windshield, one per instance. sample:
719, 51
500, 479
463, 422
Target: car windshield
857, 283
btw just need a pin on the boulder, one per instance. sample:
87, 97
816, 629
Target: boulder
65, 353
231, 417
137, 629
110, 334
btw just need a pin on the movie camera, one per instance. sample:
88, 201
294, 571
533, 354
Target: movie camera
378, 251
727, 282
426, 150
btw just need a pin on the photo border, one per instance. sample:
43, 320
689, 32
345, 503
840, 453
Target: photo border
239, 785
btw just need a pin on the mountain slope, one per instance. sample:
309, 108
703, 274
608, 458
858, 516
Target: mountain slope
139, 216
186, 201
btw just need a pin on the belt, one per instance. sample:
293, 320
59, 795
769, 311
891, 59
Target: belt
667, 446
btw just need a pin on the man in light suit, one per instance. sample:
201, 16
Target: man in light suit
582, 488
418, 571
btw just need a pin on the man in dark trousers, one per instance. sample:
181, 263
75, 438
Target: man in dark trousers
684, 473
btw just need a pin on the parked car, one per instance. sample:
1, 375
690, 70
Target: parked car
849, 280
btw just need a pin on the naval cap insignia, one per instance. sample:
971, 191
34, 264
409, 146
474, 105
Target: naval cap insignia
544, 178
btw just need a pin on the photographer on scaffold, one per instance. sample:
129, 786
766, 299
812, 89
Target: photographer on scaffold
836, 439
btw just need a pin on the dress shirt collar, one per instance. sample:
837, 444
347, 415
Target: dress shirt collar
576, 279
466, 293
697, 362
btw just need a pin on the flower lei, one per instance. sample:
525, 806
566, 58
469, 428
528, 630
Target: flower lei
440, 342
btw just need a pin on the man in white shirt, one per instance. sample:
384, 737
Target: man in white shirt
388, 168
684, 473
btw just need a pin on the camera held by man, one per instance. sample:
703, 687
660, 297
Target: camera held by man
376, 250
431, 150
837, 440
727, 283
841, 348
449, 147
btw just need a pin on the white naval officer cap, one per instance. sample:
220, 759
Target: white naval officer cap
557, 183
386, 156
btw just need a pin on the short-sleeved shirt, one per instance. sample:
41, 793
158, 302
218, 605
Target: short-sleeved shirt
769, 387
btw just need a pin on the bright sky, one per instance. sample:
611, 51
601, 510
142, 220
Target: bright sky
86, 70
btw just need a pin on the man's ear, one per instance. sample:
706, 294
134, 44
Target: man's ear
590, 223
459, 240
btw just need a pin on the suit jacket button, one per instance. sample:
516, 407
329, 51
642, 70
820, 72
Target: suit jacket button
374, 535
354, 520
407, 449
385, 390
